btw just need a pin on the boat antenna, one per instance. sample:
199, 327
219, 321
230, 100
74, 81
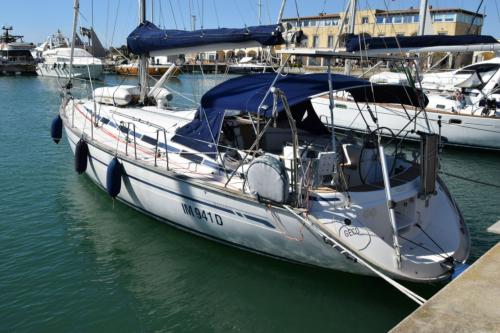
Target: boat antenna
143, 59
76, 8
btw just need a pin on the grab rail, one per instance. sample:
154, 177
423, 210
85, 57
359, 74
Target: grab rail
127, 138
166, 145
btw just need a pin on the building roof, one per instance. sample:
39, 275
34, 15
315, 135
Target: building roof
432, 10
321, 16
390, 12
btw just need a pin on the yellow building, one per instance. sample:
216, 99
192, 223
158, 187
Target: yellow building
323, 30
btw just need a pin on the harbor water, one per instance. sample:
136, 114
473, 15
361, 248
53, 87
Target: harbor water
74, 260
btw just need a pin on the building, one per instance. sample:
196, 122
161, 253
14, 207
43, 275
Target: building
323, 31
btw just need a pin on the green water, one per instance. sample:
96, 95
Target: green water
71, 260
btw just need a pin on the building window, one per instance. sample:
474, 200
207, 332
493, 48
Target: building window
444, 17
442, 33
415, 18
315, 41
330, 42
397, 19
364, 20
380, 19
335, 21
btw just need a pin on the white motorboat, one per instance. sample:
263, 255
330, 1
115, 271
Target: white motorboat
256, 169
248, 65
15, 54
54, 58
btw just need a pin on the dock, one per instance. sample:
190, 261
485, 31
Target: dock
205, 68
470, 303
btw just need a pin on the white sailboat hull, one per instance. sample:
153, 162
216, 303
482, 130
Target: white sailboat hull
212, 214
191, 195
456, 129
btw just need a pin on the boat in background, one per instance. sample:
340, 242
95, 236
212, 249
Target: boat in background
464, 105
248, 65
155, 68
54, 56
15, 55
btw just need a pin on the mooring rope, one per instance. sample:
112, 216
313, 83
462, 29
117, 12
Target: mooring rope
469, 180
311, 226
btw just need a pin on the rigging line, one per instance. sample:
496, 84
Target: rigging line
161, 16
428, 236
268, 11
92, 24
474, 17
190, 12
498, 11
200, 12
252, 8
107, 26
469, 180
239, 13
322, 12
183, 21
116, 19
173, 13
423, 247
216, 14
344, 250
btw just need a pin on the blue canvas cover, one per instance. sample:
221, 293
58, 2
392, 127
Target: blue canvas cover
356, 43
244, 94
148, 37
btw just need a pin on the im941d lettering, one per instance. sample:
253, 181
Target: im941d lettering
202, 214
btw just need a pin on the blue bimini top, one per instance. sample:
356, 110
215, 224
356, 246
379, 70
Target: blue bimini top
244, 94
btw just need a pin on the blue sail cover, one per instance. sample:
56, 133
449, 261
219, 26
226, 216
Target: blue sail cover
148, 37
356, 43
244, 94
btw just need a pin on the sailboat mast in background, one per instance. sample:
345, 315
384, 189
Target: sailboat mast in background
143, 59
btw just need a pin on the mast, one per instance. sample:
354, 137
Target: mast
280, 13
422, 17
76, 8
143, 59
350, 31
259, 4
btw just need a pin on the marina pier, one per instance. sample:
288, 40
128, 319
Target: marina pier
470, 303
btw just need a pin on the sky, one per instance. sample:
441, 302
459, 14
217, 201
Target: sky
113, 20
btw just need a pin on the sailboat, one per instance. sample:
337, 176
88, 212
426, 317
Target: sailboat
463, 105
256, 169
